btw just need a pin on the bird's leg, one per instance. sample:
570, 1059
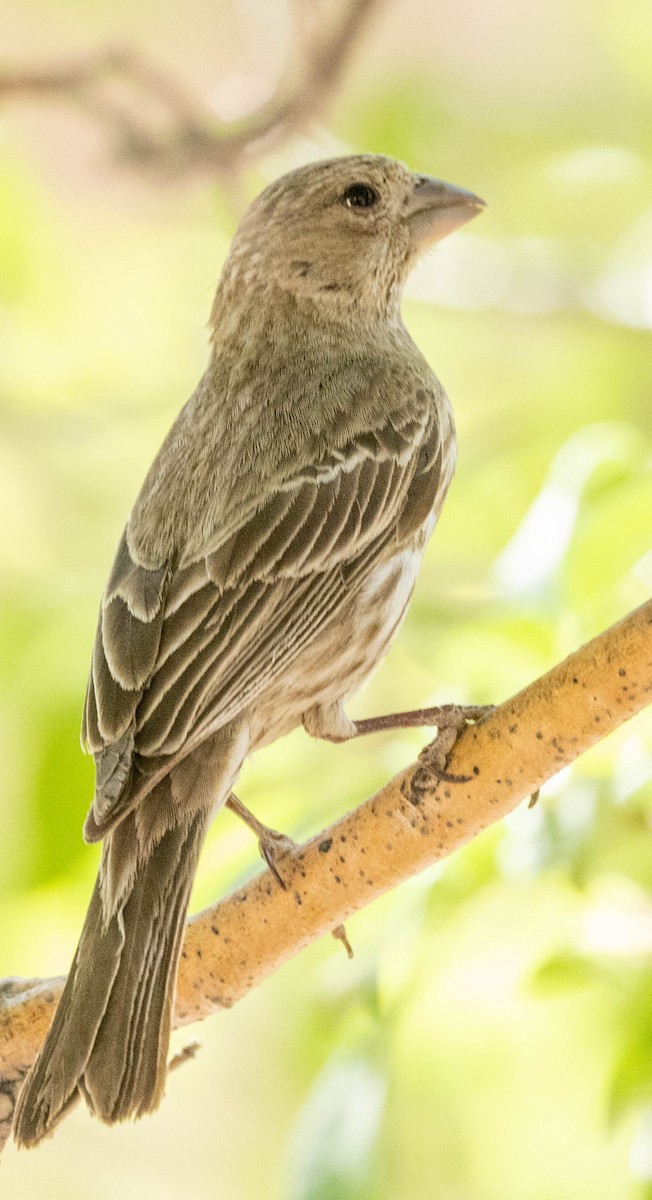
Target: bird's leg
450, 720
330, 722
271, 844
444, 716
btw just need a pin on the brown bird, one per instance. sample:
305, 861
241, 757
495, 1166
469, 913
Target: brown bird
265, 567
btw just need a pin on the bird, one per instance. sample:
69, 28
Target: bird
265, 567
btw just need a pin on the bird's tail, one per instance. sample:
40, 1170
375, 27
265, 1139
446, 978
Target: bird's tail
110, 1034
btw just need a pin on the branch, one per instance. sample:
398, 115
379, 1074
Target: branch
121, 88
232, 946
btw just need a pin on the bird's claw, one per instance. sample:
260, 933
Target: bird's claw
433, 759
272, 846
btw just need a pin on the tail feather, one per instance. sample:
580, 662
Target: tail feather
132, 1041
110, 1034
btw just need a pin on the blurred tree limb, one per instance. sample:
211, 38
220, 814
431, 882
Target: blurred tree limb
235, 944
154, 123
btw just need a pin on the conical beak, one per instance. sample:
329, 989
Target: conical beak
436, 209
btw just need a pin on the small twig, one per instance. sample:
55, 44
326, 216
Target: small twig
119, 88
183, 1056
339, 933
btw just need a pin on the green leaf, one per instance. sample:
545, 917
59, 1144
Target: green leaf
337, 1130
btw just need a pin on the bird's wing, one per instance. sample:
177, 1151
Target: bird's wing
178, 650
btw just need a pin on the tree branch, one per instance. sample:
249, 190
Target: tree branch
155, 124
232, 946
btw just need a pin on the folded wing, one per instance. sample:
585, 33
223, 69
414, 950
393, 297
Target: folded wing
188, 647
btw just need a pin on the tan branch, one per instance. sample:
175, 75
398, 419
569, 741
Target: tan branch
186, 138
235, 944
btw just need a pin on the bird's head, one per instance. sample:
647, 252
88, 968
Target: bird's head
343, 234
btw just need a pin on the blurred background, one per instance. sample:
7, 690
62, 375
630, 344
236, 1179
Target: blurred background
492, 1039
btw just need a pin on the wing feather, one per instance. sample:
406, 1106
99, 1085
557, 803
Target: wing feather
110, 707
91, 738
140, 589
182, 622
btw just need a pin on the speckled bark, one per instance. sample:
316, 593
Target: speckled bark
234, 945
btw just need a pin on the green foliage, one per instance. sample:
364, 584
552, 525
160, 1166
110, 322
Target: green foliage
493, 1036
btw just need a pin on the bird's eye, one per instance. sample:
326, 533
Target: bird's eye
360, 195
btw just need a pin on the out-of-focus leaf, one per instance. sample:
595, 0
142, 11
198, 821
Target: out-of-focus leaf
63, 790
610, 539
562, 971
632, 1077
332, 1147
640, 1158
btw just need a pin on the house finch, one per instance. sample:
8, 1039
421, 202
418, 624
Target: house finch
266, 565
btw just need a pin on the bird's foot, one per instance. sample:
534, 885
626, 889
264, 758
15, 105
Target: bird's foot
452, 720
271, 844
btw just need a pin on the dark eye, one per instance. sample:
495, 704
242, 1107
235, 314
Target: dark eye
360, 195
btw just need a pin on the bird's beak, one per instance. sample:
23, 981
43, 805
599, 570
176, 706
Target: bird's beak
436, 209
